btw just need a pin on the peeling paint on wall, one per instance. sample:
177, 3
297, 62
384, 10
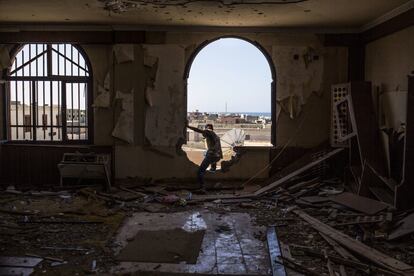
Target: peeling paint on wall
124, 128
299, 75
124, 52
104, 97
151, 70
166, 113
394, 109
290, 105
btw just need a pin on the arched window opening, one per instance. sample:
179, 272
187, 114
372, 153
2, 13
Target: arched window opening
229, 86
49, 97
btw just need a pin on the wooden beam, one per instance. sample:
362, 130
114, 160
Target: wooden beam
306, 167
350, 263
341, 40
398, 23
339, 249
391, 26
356, 246
85, 37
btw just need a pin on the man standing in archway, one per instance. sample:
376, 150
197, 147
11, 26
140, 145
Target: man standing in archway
213, 154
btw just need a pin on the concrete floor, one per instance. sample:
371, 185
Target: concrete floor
235, 251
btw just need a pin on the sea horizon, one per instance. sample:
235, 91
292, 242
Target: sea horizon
252, 113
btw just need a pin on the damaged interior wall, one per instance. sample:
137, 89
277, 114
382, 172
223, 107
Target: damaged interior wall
388, 61
154, 73
304, 94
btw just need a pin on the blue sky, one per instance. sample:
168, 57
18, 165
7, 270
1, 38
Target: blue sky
233, 71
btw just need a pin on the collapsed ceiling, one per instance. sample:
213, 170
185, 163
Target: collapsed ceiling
212, 13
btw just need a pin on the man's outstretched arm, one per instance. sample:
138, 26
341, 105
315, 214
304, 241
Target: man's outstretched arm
195, 129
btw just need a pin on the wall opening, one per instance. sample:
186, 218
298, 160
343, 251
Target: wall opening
230, 85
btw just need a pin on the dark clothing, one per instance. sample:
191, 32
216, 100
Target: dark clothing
213, 144
213, 154
208, 160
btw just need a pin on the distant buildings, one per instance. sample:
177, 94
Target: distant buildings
257, 127
227, 118
231, 119
49, 122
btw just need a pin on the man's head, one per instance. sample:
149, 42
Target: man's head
209, 126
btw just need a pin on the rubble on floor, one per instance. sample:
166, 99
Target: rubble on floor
303, 221
320, 230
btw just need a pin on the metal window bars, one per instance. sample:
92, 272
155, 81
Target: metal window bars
49, 94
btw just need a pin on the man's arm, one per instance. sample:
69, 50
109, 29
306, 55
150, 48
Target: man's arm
195, 129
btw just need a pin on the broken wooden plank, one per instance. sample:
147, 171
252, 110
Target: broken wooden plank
342, 270
12, 212
315, 199
92, 194
303, 192
329, 264
339, 249
221, 196
359, 203
289, 176
299, 186
276, 263
387, 218
133, 192
366, 268
285, 250
355, 246
290, 263
236, 200
383, 194
406, 227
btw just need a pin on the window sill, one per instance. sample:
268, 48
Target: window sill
85, 144
254, 148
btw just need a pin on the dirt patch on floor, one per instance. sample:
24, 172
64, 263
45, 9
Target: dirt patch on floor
163, 246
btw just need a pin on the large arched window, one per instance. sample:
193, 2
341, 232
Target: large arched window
230, 84
49, 95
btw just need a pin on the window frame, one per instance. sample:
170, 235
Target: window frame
189, 62
63, 80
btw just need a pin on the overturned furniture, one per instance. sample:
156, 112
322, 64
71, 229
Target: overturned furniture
355, 125
86, 166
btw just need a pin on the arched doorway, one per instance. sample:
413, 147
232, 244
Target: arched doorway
230, 84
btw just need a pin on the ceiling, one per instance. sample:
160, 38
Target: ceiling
211, 13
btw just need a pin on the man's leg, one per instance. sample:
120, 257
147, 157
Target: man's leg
202, 170
213, 162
